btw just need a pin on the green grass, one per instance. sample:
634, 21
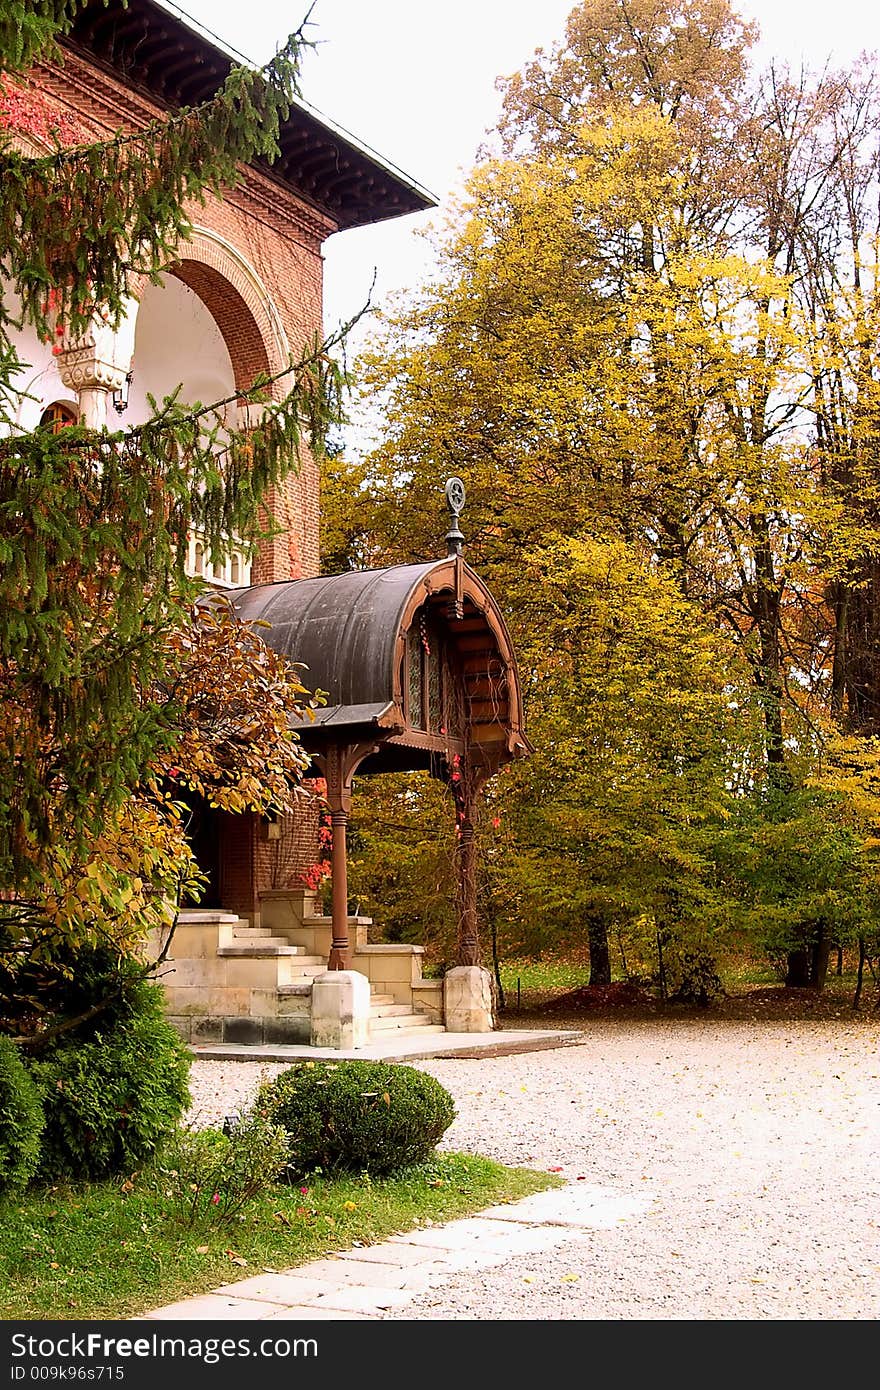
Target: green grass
542, 976
99, 1251
542, 980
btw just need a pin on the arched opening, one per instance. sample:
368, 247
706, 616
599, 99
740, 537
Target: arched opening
178, 345
58, 416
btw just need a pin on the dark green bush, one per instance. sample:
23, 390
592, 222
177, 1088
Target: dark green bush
372, 1117
110, 1102
21, 1120
96, 984
695, 979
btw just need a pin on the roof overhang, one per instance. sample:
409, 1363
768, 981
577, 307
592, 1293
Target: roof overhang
157, 50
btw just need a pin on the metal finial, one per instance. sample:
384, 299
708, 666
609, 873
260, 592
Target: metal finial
455, 495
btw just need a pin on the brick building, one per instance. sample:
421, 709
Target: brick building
243, 296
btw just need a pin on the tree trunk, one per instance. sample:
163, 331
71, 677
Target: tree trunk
600, 956
808, 964
820, 956
798, 973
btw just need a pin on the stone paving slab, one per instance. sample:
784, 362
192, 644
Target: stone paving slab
356, 1299
500, 1043
283, 1289
384, 1254
367, 1274
310, 1313
580, 1205
367, 1281
214, 1307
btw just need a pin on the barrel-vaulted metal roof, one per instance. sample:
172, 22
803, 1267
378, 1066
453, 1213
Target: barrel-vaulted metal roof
349, 632
344, 629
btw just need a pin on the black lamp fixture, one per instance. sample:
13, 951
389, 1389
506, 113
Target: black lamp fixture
120, 396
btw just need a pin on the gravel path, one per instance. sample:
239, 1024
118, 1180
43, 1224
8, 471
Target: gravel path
758, 1146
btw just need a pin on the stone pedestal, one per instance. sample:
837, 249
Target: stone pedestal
340, 1009
467, 1000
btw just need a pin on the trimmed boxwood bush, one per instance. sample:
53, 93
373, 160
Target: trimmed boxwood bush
372, 1117
21, 1120
111, 1101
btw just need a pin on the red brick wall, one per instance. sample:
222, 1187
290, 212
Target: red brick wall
280, 237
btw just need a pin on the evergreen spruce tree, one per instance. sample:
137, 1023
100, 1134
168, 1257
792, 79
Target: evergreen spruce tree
94, 524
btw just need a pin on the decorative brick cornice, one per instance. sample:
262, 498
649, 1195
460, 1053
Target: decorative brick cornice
112, 106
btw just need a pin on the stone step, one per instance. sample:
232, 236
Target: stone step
390, 1010
200, 916
274, 946
410, 1031
409, 1023
246, 933
376, 998
314, 919
298, 969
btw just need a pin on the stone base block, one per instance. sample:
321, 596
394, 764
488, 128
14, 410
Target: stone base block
340, 1009
467, 1000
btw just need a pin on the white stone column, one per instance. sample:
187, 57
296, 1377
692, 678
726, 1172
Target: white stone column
96, 364
340, 1009
467, 1000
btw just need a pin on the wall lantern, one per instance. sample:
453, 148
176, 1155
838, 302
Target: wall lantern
120, 396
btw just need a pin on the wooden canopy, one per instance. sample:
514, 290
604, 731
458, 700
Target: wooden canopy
419, 672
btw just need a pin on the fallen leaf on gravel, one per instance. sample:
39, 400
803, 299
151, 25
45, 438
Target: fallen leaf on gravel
554, 1170
570, 1278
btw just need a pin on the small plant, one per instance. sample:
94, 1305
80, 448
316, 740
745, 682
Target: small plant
209, 1177
696, 979
111, 1102
21, 1121
374, 1117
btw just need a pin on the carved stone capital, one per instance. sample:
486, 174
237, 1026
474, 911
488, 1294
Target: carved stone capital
80, 369
100, 358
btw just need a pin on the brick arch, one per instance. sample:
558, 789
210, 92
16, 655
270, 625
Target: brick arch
239, 303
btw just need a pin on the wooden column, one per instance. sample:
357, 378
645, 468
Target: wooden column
466, 789
340, 946
338, 765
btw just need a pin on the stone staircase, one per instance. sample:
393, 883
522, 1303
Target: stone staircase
387, 1018
295, 966
234, 982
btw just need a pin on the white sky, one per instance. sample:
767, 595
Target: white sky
415, 81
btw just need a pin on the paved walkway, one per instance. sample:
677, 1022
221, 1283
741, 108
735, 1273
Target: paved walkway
502, 1042
369, 1281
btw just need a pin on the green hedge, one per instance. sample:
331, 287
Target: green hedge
21, 1120
373, 1117
110, 1102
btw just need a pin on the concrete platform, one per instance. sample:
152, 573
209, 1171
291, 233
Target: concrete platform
500, 1043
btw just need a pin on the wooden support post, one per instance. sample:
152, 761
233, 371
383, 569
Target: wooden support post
340, 946
339, 764
466, 789
468, 935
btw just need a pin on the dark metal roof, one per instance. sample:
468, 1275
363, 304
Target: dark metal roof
343, 629
150, 46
